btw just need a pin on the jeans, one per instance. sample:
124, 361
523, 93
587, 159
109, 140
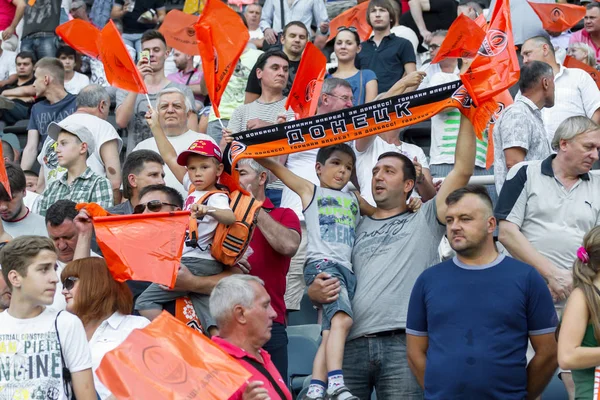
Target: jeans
41, 44
19, 112
134, 40
380, 363
215, 131
277, 349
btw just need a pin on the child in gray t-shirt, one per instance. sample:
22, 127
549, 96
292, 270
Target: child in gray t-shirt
331, 217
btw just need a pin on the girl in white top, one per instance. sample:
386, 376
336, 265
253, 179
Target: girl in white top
103, 305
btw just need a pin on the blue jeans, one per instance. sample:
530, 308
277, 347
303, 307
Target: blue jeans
41, 44
277, 348
134, 40
215, 131
380, 363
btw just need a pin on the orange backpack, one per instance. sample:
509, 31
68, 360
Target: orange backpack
230, 241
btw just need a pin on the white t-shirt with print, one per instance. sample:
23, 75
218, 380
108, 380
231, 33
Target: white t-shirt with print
7, 64
78, 82
206, 225
366, 160
32, 367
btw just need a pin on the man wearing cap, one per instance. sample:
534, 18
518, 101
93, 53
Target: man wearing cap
79, 183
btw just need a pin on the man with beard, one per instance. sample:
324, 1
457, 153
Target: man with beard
469, 318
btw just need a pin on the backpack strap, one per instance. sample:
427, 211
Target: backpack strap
65, 371
193, 224
261, 368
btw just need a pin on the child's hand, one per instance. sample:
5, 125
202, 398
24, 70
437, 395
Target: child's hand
152, 118
200, 210
414, 203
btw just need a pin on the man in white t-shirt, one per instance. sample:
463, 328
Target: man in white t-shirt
173, 107
74, 81
252, 14
38, 338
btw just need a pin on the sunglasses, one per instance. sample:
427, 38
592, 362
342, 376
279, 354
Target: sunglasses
69, 283
153, 206
347, 28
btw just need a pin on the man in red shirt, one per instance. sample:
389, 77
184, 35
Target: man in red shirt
273, 244
242, 308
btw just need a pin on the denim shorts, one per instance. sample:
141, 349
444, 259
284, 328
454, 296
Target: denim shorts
348, 287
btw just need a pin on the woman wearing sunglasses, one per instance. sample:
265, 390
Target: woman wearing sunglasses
103, 305
364, 82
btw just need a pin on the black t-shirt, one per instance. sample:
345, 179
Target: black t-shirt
253, 85
16, 85
130, 19
441, 15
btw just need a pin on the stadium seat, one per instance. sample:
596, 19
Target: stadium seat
301, 353
311, 331
555, 390
307, 314
19, 129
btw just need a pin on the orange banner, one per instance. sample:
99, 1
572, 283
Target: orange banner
570, 62
222, 38
80, 35
356, 17
305, 91
3, 175
462, 41
495, 68
178, 30
167, 361
120, 69
143, 247
504, 100
558, 17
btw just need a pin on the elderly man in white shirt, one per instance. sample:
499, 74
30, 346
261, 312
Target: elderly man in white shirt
576, 92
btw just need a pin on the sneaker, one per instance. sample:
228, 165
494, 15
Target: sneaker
335, 395
6, 103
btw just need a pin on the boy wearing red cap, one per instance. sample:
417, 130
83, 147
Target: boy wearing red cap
200, 165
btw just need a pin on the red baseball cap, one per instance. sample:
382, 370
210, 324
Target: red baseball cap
201, 147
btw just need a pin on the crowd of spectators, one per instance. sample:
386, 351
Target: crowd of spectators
428, 286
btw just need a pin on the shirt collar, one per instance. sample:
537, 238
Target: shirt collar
115, 320
528, 102
232, 349
268, 204
87, 174
372, 38
561, 71
548, 171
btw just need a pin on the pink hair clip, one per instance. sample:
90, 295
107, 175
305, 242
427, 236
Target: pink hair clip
583, 255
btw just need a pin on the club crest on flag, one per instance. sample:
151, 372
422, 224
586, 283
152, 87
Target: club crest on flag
216, 61
496, 115
462, 96
310, 90
557, 14
236, 149
190, 32
164, 366
494, 43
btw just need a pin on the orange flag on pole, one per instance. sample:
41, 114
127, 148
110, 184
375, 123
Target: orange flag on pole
558, 17
143, 247
570, 62
178, 30
119, 67
81, 35
495, 68
504, 100
3, 175
462, 41
356, 17
222, 37
166, 361
306, 89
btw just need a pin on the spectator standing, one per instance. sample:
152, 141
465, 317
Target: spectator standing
79, 183
28, 267
389, 56
454, 324
428, 16
590, 34
102, 304
17, 219
274, 243
188, 75
39, 23
49, 82
519, 134
252, 13
138, 16
100, 12
294, 39
575, 92
21, 94
8, 71
346, 46
308, 12
132, 107
242, 308
11, 13
74, 81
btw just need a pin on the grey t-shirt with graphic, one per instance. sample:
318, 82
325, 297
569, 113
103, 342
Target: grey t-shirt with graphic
388, 257
331, 219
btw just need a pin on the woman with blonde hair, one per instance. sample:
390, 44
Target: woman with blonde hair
103, 305
582, 52
578, 349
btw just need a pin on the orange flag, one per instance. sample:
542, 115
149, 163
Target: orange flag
143, 247
558, 17
3, 175
166, 361
495, 68
222, 37
462, 41
481, 22
81, 35
120, 69
305, 91
356, 17
504, 100
178, 30
570, 62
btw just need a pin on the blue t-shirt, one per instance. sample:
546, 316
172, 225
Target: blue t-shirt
354, 81
478, 320
43, 113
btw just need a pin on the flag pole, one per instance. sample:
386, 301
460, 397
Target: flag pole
149, 102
